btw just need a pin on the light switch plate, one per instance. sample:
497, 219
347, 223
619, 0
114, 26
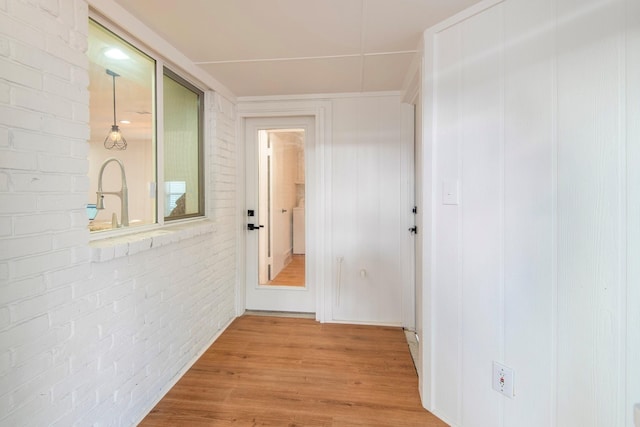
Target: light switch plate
450, 193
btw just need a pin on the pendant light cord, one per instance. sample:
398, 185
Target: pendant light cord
113, 76
114, 99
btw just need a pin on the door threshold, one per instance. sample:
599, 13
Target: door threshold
280, 314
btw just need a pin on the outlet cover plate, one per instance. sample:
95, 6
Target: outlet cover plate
502, 379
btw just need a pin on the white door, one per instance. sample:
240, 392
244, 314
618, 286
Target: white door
274, 189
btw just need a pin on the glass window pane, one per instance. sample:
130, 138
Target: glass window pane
122, 92
182, 148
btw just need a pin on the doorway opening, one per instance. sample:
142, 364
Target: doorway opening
281, 256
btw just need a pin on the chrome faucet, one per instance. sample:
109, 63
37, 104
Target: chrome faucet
123, 193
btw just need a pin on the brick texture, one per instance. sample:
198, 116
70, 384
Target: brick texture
81, 342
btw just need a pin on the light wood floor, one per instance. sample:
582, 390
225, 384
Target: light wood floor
276, 371
292, 274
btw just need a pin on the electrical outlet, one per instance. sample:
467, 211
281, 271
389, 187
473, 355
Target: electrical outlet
502, 379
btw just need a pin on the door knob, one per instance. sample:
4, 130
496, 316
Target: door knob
254, 227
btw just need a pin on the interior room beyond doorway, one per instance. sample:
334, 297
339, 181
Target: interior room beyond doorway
282, 200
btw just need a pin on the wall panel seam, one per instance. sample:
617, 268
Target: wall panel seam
460, 230
623, 220
502, 201
554, 218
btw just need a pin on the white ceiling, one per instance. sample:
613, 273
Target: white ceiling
285, 47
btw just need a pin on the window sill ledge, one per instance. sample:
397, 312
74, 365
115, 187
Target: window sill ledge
121, 246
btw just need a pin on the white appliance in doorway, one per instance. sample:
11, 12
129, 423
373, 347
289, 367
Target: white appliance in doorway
298, 231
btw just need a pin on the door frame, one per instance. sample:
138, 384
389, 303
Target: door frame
418, 89
316, 187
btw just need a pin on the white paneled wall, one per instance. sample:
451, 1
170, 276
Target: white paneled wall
529, 288
368, 229
631, 385
536, 124
591, 215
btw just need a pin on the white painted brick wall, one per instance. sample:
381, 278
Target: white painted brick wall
81, 342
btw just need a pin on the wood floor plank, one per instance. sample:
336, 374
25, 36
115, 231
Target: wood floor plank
293, 274
277, 371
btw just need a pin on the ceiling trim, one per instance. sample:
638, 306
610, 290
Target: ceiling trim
305, 58
318, 96
461, 16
